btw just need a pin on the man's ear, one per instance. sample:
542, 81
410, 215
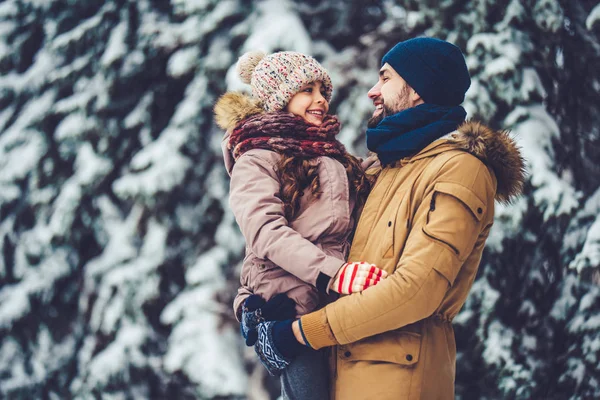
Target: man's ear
415, 98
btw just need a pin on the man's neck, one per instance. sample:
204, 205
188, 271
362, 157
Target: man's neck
447, 136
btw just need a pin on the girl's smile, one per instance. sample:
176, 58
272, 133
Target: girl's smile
309, 103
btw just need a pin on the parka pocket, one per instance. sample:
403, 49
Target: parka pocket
253, 274
398, 347
454, 217
397, 224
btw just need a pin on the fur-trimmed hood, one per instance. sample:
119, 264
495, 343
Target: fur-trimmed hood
499, 151
230, 109
233, 107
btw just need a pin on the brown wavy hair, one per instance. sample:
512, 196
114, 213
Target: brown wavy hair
297, 175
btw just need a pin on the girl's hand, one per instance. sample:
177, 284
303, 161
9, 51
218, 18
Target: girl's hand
256, 310
356, 277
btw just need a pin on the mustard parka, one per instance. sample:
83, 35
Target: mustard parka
425, 223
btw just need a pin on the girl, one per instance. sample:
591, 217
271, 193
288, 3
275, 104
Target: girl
294, 193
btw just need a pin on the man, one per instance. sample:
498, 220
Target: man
425, 223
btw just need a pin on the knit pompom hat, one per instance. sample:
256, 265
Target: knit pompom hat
277, 77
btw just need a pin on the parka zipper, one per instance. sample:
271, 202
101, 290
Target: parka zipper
442, 241
432, 209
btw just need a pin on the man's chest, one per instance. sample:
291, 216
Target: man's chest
388, 215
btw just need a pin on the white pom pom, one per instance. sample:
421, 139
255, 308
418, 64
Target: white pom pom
246, 64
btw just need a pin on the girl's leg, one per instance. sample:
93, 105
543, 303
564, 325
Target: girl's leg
307, 377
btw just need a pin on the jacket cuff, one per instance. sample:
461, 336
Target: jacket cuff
316, 330
323, 282
327, 272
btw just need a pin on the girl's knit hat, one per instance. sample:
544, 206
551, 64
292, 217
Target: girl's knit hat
277, 77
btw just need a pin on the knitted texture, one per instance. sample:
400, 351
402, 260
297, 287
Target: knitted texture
251, 317
255, 310
277, 346
356, 277
287, 134
406, 133
267, 352
436, 69
247, 63
276, 78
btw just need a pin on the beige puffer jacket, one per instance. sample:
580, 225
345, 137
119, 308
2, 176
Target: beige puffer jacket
298, 257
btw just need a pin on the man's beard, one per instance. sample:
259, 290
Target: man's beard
376, 119
400, 103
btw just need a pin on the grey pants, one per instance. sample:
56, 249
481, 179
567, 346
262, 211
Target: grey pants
307, 377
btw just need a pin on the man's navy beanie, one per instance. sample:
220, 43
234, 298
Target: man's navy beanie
435, 68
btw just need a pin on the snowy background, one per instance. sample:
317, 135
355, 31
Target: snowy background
119, 256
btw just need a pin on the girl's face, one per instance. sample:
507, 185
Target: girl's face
309, 103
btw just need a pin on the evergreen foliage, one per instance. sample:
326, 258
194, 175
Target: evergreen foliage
120, 256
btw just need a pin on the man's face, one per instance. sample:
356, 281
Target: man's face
391, 95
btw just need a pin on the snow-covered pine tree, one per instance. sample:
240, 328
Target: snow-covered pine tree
120, 256
112, 201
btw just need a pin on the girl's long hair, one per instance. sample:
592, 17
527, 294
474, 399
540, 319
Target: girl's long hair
297, 175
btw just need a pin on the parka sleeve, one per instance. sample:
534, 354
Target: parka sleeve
448, 224
254, 199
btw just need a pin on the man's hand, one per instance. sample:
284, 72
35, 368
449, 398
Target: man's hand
276, 346
356, 277
255, 310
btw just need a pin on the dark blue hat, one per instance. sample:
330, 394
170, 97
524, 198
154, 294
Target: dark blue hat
435, 68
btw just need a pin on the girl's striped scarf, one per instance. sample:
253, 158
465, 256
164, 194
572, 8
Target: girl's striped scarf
287, 134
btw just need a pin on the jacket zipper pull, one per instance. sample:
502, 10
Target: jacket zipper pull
432, 204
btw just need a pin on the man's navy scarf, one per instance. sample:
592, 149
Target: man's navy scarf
406, 133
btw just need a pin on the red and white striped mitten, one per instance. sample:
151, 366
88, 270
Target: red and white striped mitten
356, 277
